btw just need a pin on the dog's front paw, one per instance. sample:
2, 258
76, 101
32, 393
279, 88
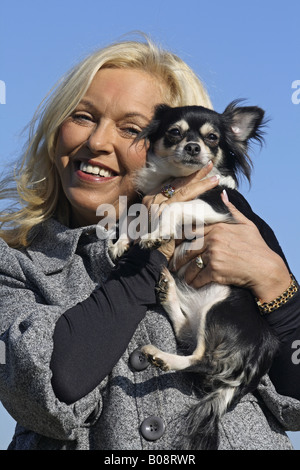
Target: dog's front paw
116, 250
155, 356
147, 242
166, 289
162, 289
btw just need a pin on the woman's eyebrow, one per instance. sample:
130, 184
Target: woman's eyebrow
136, 115
90, 106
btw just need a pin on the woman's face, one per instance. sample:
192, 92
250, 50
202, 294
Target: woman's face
94, 154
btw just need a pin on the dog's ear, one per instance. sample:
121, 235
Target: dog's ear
160, 111
150, 131
245, 121
242, 123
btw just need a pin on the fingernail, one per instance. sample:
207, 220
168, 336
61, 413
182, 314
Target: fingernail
208, 163
225, 195
214, 178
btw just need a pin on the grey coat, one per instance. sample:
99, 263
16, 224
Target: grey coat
61, 268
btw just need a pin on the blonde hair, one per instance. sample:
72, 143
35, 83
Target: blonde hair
36, 186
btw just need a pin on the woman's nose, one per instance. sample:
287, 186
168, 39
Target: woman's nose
101, 140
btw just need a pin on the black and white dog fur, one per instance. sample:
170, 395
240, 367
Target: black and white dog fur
229, 344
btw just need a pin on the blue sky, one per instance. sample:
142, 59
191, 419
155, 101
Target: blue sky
239, 49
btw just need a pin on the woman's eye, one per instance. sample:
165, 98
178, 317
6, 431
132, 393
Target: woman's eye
82, 118
131, 131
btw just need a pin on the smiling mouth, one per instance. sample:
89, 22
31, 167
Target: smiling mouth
95, 170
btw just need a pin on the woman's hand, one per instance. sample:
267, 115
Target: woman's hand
186, 188
236, 254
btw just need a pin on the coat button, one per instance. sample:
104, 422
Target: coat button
152, 428
138, 360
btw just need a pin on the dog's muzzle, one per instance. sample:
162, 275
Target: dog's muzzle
192, 148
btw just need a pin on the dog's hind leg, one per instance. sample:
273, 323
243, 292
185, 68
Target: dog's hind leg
167, 294
167, 361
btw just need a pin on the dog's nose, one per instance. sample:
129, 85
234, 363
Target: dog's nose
192, 148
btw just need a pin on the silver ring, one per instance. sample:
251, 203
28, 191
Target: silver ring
199, 262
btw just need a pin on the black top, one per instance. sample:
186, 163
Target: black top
102, 325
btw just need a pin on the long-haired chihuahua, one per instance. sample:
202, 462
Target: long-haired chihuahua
230, 346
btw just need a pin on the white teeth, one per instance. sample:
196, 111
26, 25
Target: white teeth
95, 170
106, 173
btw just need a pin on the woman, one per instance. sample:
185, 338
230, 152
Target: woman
72, 322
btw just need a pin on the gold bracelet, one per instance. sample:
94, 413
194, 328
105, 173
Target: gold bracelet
268, 307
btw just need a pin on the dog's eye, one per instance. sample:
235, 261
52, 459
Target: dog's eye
174, 132
212, 137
